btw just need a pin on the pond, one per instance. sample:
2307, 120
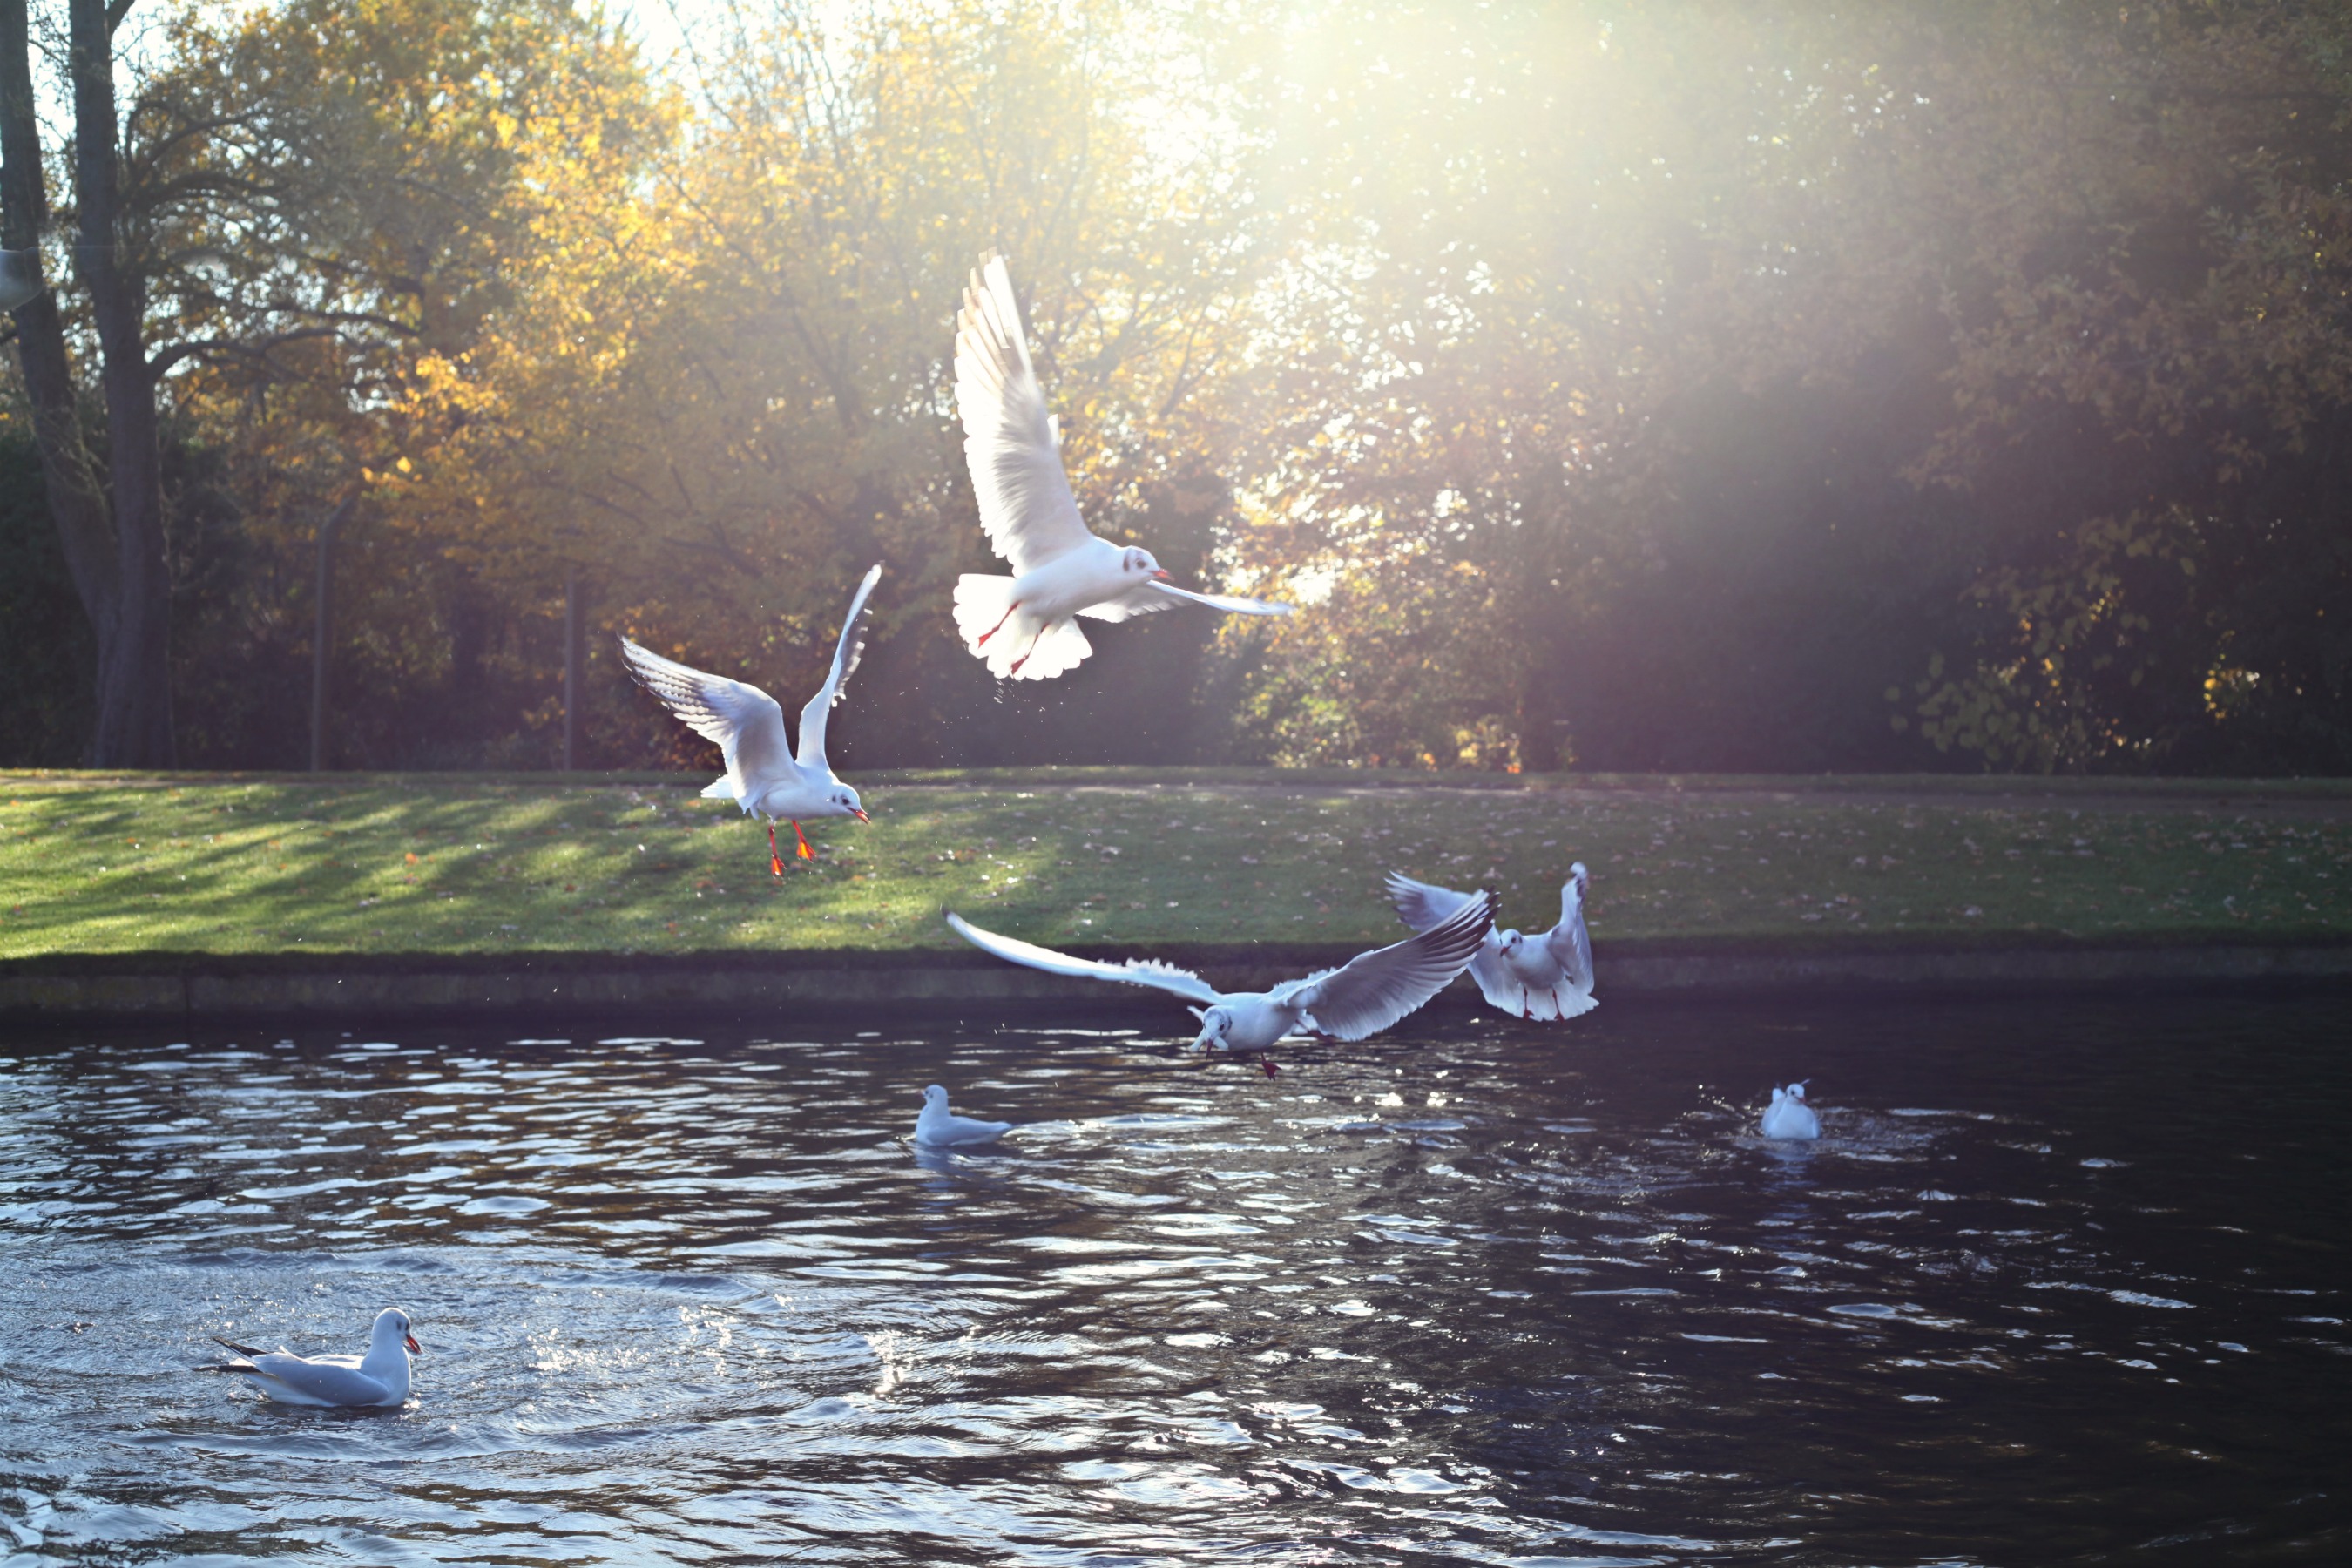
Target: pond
2064, 1280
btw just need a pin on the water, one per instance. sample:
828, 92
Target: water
2066, 1282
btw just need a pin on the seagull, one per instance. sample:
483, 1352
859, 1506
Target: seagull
1022, 625
1790, 1117
20, 278
938, 1128
763, 776
1362, 996
1545, 976
379, 1378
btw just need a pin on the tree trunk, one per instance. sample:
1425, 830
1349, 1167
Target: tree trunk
77, 499
134, 688
572, 682
322, 634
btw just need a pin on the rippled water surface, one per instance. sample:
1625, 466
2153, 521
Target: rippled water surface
2065, 1281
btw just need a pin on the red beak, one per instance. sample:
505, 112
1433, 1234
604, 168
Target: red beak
1161, 572
860, 813
414, 1348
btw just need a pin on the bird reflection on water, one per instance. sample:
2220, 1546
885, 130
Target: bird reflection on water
2060, 1280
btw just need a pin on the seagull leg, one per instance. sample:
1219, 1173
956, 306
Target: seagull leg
1267, 1063
806, 853
1033, 648
1526, 1009
998, 626
775, 861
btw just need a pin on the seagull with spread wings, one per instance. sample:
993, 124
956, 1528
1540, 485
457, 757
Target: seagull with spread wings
762, 775
1362, 996
1024, 625
1545, 976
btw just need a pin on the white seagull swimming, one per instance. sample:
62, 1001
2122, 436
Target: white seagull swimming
1545, 976
938, 1128
1790, 1117
1362, 996
763, 776
1022, 625
379, 1378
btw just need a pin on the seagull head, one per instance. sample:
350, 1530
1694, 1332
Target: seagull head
936, 1096
1137, 563
1797, 1092
1213, 1024
843, 801
1509, 942
392, 1328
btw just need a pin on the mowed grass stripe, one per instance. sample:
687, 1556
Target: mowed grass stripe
446, 864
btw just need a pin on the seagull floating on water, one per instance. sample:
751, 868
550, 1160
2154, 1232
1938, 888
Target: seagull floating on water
1545, 976
763, 776
1790, 1117
1362, 996
379, 1378
1022, 625
938, 1128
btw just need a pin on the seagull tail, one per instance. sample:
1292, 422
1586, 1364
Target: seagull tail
984, 606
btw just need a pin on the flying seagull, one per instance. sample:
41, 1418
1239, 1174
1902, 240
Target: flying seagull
1545, 976
936, 1127
1790, 1117
334, 1382
1362, 996
763, 776
1024, 625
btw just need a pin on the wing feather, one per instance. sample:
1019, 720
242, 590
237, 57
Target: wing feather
1141, 602
321, 1381
1374, 990
1134, 972
746, 723
1228, 603
1422, 905
1011, 444
845, 654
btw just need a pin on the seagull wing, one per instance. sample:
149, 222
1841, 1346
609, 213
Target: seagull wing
1225, 602
1016, 454
844, 660
1571, 944
745, 721
1126, 607
319, 1381
1422, 905
1374, 990
1134, 972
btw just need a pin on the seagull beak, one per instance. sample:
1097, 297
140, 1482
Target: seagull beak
414, 1348
1161, 574
860, 811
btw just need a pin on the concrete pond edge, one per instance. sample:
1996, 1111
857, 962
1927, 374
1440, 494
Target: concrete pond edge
197, 987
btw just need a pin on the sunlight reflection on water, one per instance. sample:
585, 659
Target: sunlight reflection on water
2060, 1280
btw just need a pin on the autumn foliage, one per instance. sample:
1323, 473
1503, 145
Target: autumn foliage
1626, 387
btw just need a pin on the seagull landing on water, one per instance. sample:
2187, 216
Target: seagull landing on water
938, 1128
378, 1379
1022, 625
1790, 1117
763, 776
1362, 996
1545, 976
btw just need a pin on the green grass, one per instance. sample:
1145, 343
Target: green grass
1132, 859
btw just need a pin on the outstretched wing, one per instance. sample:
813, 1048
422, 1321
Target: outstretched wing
1225, 602
1134, 972
1126, 607
1422, 905
1571, 943
845, 659
1015, 455
1374, 990
745, 721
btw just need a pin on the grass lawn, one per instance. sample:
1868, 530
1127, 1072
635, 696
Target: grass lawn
1130, 859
